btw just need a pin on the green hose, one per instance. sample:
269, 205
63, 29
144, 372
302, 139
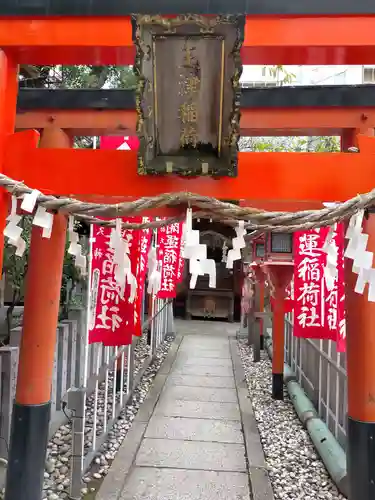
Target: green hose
330, 451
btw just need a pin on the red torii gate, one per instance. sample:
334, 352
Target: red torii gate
261, 177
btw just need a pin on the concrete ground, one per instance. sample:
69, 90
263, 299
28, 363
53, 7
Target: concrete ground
195, 437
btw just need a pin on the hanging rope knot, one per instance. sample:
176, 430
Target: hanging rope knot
255, 219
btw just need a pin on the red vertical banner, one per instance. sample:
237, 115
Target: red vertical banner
341, 334
128, 143
316, 308
181, 262
168, 254
113, 318
109, 308
133, 238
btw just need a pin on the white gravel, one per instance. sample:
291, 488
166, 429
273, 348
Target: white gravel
296, 471
57, 472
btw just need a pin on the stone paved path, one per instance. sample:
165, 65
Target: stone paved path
193, 446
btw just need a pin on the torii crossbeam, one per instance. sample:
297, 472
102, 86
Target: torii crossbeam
80, 172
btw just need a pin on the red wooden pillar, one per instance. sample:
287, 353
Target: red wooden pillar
280, 274
349, 139
262, 293
360, 324
258, 334
360, 345
8, 102
31, 411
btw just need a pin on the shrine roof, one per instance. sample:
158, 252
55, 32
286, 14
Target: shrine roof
275, 97
127, 7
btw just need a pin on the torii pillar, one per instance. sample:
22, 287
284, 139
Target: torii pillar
360, 325
32, 406
8, 105
360, 358
280, 274
259, 309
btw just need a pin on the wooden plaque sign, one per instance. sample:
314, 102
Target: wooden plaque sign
188, 96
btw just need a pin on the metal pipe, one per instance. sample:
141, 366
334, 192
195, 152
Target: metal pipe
328, 448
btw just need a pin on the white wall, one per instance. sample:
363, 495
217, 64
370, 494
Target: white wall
308, 75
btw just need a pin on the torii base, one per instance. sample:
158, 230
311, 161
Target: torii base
27, 454
278, 386
361, 459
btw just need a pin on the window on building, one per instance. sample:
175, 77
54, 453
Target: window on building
369, 75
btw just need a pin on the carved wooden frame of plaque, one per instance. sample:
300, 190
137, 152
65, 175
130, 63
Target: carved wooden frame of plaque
149, 28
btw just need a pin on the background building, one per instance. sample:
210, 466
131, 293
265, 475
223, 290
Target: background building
271, 76
254, 76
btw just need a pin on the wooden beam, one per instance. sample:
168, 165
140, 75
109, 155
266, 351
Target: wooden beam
254, 122
310, 177
69, 40
310, 40
43, 8
305, 121
296, 97
8, 100
268, 40
301, 110
81, 122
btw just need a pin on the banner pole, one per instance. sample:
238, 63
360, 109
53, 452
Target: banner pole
88, 297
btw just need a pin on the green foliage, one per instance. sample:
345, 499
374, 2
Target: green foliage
325, 144
15, 268
120, 77
330, 144
78, 77
281, 74
71, 276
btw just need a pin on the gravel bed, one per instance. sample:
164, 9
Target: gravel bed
57, 472
295, 469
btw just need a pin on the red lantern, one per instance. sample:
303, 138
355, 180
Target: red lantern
278, 265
